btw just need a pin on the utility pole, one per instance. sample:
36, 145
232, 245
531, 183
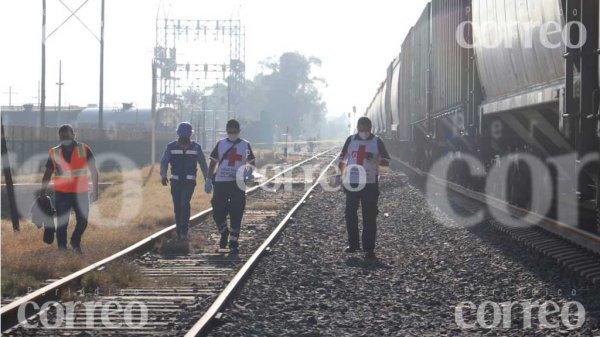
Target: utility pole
204, 121
43, 90
10, 93
10, 189
354, 116
60, 84
153, 147
285, 149
349, 122
229, 98
38, 95
214, 126
101, 102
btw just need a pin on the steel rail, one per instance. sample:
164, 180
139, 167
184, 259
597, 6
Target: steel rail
204, 324
573, 234
9, 312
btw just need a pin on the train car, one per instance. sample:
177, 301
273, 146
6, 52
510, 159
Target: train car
381, 109
415, 95
371, 115
522, 81
387, 119
453, 81
29, 115
397, 126
495, 80
417, 46
375, 111
409, 81
128, 118
521, 77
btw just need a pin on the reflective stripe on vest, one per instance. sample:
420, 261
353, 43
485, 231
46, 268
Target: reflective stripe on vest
70, 177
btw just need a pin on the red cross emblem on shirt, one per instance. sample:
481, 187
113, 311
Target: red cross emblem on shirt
361, 154
232, 157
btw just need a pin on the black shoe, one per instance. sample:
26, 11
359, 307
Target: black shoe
77, 249
370, 255
224, 239
351, 249
233, 251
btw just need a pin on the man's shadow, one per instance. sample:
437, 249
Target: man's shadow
355, 262
172, 248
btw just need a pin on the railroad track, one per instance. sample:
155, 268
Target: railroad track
178, 283
574, 249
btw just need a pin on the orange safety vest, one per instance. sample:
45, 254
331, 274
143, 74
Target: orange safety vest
70, 177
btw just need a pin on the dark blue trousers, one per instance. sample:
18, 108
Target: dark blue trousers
64, 202
367, 198
182, 191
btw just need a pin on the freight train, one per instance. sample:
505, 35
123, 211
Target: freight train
124, 117
126, 131
506, 83
128, 118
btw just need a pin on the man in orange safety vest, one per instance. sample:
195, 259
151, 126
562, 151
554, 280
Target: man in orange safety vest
70, 162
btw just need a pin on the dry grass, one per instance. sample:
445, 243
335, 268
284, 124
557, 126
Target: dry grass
126, 212
263, 205
264, 157
114, 276
27, 261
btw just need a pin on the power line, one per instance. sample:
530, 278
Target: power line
10, 93
73, 14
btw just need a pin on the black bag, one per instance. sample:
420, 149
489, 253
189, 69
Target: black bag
49, 235
42, 215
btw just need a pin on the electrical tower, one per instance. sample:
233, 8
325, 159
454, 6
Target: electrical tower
193, 57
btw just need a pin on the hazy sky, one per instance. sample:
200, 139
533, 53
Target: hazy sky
356, 41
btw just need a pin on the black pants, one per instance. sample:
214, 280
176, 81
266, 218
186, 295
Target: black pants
368, 198
228, 199
64, 202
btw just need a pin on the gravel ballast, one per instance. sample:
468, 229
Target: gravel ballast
308, 286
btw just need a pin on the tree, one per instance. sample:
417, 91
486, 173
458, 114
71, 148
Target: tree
286, 95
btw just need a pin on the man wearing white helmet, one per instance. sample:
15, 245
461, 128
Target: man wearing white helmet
183, 154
